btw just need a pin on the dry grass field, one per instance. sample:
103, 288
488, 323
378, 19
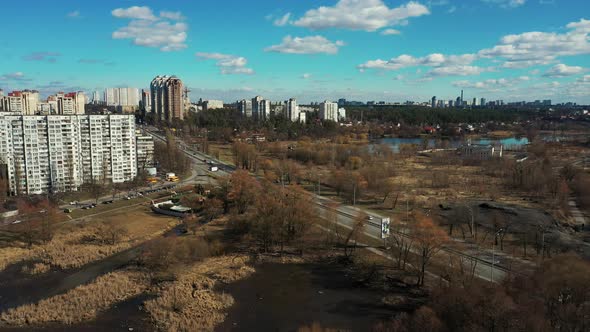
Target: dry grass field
73, 246
192, 303
82, 303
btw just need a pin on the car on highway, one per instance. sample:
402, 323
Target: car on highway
370, 217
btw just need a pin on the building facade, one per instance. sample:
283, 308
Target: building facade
122, 97
245, 108
145, 152
167, 99
59, 153
292, 110
481, 151
212, 104
329, 111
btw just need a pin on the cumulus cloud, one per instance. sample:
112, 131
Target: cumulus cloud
306, 45
561, 70
283, 20
456, 70
175, 16
389, 32
306, 76
367, 15
227, 64
491, 83
513, 51
541, 48
145, 29
431, 60
135, 12
42, 56
506, 3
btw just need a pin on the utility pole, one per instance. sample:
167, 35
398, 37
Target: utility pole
500, 231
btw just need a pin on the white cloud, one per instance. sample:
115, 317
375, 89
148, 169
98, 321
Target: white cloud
306, 76
456, 70
514, 51
175, 16
227, 64
431, 60
306, 45
147, 30
452, 9
541, 48
389, 32
282, 21
367, 15
507, 3
74, 14
491, 83
561, 70
135, 12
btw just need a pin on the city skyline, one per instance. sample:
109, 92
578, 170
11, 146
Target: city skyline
357, 49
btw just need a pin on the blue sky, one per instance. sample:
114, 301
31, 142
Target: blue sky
313, 50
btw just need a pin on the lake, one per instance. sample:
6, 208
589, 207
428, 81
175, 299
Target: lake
395, 142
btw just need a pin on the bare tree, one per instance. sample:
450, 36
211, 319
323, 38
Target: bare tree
429, 239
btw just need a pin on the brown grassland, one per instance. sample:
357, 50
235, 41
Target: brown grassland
74, 245
192, 303
81, 303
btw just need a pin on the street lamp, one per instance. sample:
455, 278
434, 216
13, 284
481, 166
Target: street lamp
500, 231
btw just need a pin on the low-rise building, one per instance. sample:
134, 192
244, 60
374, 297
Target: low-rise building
481, 151
212, 104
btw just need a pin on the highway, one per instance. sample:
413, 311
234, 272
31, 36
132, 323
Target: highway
346, 216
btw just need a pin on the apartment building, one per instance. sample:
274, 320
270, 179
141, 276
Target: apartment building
293, 110
145, 152
59, 153
167, 98
212, 104
329, 111
245, 108
20, 102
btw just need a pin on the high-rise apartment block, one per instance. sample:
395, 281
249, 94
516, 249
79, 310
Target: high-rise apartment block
245, 108
121, 97
329, 111
292, 110
58, 153
167, 98
145, 152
